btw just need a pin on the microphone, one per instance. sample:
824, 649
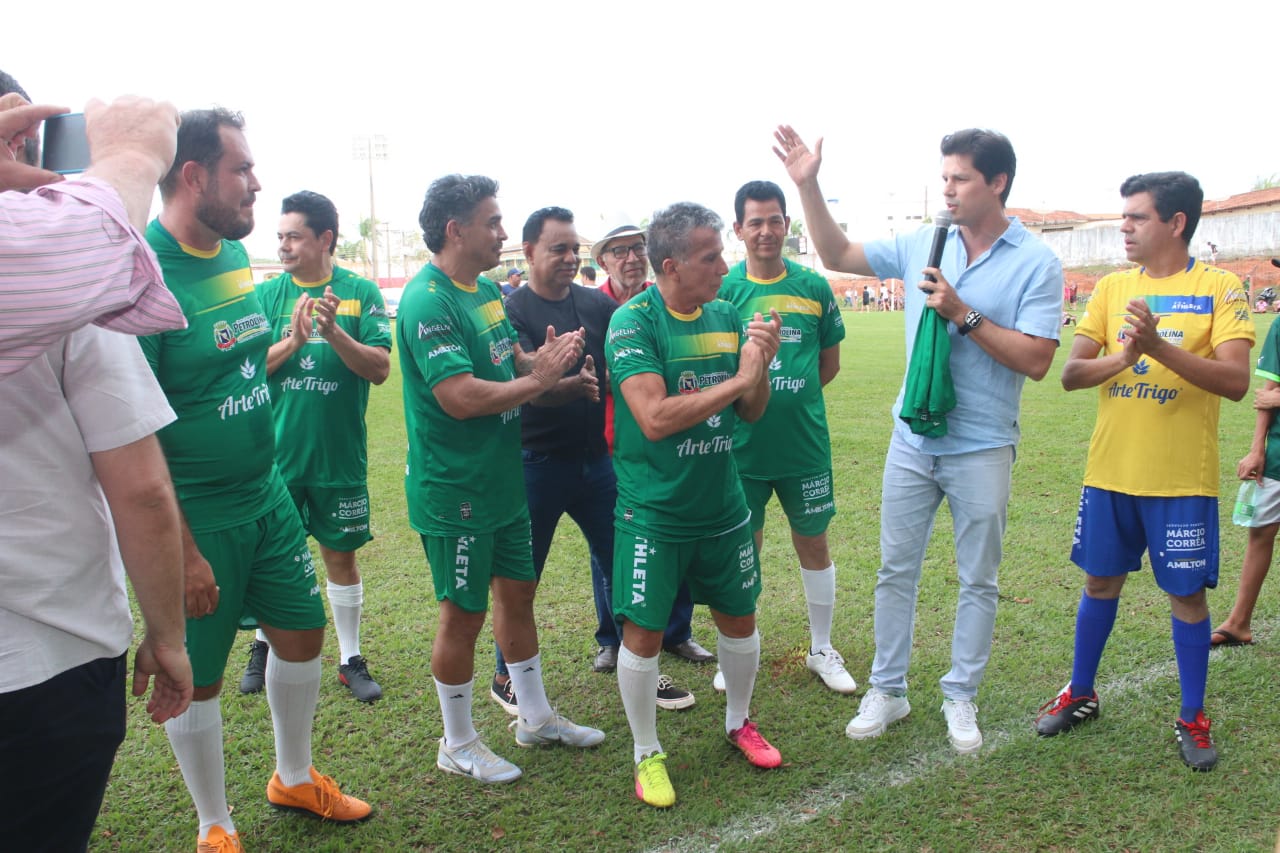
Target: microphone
941, 223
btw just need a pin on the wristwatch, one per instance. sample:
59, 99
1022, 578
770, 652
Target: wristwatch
972, 320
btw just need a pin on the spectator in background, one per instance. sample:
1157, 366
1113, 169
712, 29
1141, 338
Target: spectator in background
512, 284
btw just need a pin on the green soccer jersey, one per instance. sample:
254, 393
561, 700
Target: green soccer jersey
791, 438
319, 403
685, 486
221, 450
1268, 367
463, 476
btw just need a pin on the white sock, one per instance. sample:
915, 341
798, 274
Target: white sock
292, 691
196, 738
455, 708
526, 678
820, 593
261, 637
346, 602
739, 660
638, 684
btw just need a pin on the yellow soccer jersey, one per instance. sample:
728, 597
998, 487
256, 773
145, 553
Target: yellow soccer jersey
1157, 434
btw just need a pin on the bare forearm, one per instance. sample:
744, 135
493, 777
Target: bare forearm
568, 389
751, 405
1225, 378
1022, 353
833, 245
369, 363
134, 177
151, 546
144, 508
1080, 373
828, 364
464, 397
282, 351
1261, 426
679, 412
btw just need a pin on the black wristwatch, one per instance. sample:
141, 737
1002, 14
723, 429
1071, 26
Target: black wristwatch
972, 320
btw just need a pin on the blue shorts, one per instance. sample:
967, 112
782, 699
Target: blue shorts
1180, 536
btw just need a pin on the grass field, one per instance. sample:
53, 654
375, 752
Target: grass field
1116, 784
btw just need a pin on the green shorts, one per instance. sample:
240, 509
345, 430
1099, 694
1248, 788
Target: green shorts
722, 572
807, 500
462, 566
338, 518
262, 568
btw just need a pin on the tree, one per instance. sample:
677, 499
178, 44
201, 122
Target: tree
791, 246
1270, 182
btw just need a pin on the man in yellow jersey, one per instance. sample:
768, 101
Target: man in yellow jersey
1163, 343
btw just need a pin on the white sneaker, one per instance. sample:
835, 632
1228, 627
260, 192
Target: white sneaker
877, 711
558, 729
477, 761
718, 682
828, 665
962, 725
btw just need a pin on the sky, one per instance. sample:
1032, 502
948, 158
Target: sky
608, 108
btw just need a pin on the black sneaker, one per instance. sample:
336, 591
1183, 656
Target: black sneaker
255, 672
1198, 751
671, 697
505, 695
1065, 712
606, 659
355, 674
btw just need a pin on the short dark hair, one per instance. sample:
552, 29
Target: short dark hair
200, 141
1171, 192
991, 152
533, 225
8, 84
757, 191
671, 228
318, 212
589, 273
453, 197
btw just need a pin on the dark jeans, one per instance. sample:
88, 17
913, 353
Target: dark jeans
586, 489
58, 740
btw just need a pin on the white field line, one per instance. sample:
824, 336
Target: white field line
817, 803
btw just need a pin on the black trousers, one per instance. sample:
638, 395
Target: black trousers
58, 740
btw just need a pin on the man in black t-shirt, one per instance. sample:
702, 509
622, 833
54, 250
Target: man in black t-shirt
567, 466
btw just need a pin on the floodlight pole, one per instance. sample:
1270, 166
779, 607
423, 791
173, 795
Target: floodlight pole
370, 148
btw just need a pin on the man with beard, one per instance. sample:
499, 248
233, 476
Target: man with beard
465, 378
244, 548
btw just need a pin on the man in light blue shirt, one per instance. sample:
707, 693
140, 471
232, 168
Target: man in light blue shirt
1001, 288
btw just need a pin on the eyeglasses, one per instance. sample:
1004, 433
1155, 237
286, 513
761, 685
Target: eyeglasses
620, 252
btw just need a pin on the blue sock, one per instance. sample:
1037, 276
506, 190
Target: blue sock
1094, 621
1191, 647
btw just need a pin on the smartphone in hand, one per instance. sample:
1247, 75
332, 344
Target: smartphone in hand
66, 148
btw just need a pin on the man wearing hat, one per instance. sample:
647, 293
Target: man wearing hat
513, 282
622, 254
